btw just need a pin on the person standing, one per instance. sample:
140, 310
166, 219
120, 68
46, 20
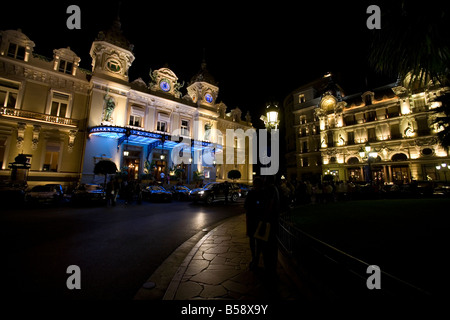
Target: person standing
271, 215
254, 206
226, 190
111, 192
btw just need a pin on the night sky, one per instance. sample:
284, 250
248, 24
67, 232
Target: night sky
256, 52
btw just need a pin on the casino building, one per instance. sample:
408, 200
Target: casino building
65, 119
385, 135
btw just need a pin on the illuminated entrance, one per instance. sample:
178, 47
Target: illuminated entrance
151, 152
400, 174
132, 160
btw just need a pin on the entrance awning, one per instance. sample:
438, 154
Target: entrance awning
147, 138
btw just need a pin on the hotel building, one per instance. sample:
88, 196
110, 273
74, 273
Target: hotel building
330, 132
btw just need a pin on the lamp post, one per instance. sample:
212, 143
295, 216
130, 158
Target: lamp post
271, 122
270, 119
368, 153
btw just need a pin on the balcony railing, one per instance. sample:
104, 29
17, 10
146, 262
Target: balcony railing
25, 114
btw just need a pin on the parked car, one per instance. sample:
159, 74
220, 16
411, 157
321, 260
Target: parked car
180, 192
215, 192
12, 195
88, 194
244, 189
49, 193
157, 194
441, 190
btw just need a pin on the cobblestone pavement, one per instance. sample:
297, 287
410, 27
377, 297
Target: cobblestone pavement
217, 267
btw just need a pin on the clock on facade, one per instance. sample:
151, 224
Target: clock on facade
328, 103
164, 85
208, 98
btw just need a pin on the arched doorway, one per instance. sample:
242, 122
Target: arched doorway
400, 171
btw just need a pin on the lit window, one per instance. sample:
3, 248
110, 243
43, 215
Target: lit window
135, 121
51, 158
137, 114
8, 94
161, 126
301, 98
185, 127
2, 150
59, 105
16, 51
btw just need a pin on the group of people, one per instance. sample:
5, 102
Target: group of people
127, 189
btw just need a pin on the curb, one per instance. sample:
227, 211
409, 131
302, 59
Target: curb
168, 275
173, 286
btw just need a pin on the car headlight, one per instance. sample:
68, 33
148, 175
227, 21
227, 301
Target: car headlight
201, 192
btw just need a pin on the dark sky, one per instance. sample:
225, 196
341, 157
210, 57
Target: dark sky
256, 52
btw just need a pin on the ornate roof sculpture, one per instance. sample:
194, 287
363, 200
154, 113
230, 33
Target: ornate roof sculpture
166, 81
115, 36
203, 76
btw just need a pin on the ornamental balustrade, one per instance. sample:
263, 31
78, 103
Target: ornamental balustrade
25, 114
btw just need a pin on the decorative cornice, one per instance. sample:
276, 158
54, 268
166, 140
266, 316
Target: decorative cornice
50, 77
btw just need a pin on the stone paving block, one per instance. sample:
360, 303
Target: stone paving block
196, 266
236, 287
245, 277
221, 267
217, 249
229, 255
188, 290
213, 291
218, 260
214, 277
222, 238
209, 256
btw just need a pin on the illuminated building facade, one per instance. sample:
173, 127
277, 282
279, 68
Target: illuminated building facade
330, 132
43, 104
65, 119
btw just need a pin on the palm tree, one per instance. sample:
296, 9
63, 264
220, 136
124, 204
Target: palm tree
413, 44
413, 39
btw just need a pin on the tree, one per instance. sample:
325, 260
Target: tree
105, 167
413, 40
413, 44
234, 174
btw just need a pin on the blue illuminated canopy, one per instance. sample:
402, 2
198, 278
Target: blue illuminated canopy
145, 138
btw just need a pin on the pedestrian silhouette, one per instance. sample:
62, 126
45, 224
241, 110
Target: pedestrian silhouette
111, 192
254, 206
226, 190
271, 215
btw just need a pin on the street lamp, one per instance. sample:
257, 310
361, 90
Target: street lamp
271, 118
367, 153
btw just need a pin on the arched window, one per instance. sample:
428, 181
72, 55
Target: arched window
399, 157
353, 160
